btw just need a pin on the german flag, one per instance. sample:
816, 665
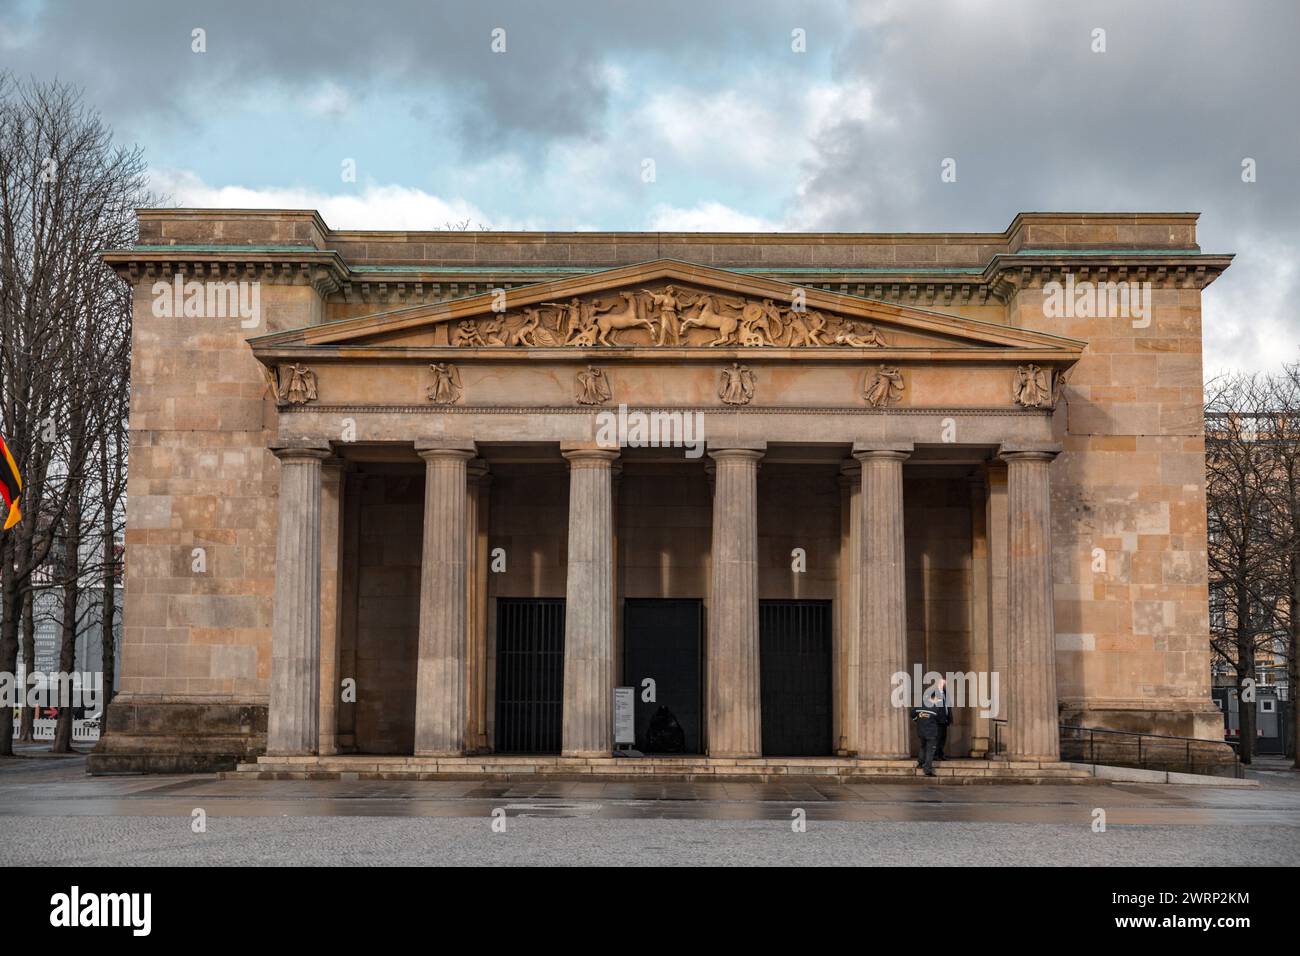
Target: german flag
11, 484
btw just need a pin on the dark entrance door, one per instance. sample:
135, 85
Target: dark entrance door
795, 677
530, 675
662, 640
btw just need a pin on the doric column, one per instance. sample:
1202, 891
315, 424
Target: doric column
1032, 722
847, 682
882, 599
735, 707
294, 715
589, 605
440, 690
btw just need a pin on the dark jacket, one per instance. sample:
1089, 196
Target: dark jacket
945, 709
927, 721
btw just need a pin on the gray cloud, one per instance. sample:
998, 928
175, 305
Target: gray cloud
1009, 89
551, 81
1035, 120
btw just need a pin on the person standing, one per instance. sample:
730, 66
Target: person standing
926, 718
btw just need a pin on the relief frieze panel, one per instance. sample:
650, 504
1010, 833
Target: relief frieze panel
672, 315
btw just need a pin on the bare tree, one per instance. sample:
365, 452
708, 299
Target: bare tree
66, 193
1284, 428
1242, 549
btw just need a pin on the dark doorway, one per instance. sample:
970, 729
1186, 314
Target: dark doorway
662, 640
795, 676
530, 675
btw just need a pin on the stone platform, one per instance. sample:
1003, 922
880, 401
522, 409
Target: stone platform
674, 769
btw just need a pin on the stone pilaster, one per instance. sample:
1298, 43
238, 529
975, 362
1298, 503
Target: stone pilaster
441, 700
847, 682
980, 612
589, 605
333, 478
735, 705
480, 483
1032, 723
882, 600
349, 611
293, 721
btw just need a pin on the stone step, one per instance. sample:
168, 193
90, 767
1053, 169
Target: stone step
606, 769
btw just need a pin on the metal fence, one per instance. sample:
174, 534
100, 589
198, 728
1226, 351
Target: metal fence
43, 729
1120, 748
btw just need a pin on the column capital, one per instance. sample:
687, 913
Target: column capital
477, 470
736, 445
750, 452
850, 471
882, 450
302, 449
582, 455
1015, 451
432, 449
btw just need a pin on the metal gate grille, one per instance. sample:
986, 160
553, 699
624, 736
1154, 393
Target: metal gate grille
530, 675
795, 677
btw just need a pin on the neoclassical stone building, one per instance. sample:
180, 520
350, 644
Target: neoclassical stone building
392, 494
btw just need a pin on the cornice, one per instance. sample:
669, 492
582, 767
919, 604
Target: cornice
395, 286
642, 355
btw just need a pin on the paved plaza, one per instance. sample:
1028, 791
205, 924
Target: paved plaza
52, 813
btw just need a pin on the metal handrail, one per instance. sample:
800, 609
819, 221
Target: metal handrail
1142, 759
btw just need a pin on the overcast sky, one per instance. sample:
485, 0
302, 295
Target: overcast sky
744, 132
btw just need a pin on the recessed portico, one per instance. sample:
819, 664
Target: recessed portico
527, 497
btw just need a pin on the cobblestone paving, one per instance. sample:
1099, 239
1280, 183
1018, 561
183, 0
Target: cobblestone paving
387, 841
51, 813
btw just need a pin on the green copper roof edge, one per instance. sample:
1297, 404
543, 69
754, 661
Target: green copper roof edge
1110, 252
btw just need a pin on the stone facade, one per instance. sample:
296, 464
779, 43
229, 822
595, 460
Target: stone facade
979, 480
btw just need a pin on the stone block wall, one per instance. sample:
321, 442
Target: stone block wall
388, 611
200, 538
937, 532
1128, 499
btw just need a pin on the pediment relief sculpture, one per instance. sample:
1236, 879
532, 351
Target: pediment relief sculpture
883, 386
671, 315
293, 384
592, 386
446, 388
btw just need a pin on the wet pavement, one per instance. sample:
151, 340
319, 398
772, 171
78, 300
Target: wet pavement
50, 810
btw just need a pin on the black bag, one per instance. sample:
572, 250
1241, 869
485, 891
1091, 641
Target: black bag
665, 735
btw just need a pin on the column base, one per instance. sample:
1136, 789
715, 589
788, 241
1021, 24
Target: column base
439, 753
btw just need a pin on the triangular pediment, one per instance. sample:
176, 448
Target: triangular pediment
671, 304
